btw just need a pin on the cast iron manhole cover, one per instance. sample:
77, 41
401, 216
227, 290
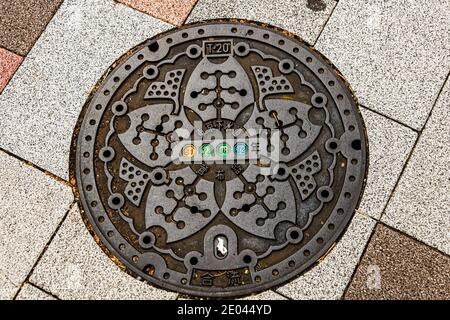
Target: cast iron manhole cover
219, 159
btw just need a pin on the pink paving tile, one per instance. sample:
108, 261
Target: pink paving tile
172, 11
9, 62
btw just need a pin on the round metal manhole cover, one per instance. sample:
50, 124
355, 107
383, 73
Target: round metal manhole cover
219, 159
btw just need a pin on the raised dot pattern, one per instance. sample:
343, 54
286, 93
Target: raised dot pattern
168, 89
137, 181
303, 174
268, 84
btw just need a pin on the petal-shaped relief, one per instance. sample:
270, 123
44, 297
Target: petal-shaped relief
213, 89
149, 138
268, 84
260, 204
187, 206
290, 117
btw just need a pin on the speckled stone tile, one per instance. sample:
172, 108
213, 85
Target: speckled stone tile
395, 54
22, 22
41, 104
390, 143
32, 205
329, 279
172, 11
7, 288
305, 18
75, 267
30, 292
395, 266
265, 295
9, 62
420, 205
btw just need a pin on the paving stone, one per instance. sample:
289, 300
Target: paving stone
420, 203
390, 143
30, 292
7, 288
9, 62
266, 295
172, 11
395, 54
395, 266
23, 21
75, 267
329, 279
41, 104
305, 18
32, 205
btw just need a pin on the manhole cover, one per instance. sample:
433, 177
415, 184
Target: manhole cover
219, 159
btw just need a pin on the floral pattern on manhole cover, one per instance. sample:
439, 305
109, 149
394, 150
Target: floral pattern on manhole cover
219, 159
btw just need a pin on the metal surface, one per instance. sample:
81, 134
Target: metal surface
211, 228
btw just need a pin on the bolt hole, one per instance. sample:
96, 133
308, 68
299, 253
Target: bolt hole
193, 261
325, 193
246, 208
319, 100
193, 51
150, 269
281, 171
159, 128
243, 92
147, 239
247, 259
194, 209
153, 47
107, 153
356, 144
115, 201
158, 176
295, 234
333, 145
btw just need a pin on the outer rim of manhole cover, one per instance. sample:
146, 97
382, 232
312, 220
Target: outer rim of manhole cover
333, 76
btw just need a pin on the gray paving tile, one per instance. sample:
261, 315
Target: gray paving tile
390, 143
75, 267
30, 292
41, 104
395, 54
421, 202
32, 205
329, 279
300, 17
7, 288
266, 295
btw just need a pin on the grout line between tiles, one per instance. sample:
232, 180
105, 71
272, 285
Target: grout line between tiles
116, 2
412, 238
359, 260
190, 11
43, 290
282, 294
32, 165
419, 134
393, 191
389, 118
27, 279
325, 24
